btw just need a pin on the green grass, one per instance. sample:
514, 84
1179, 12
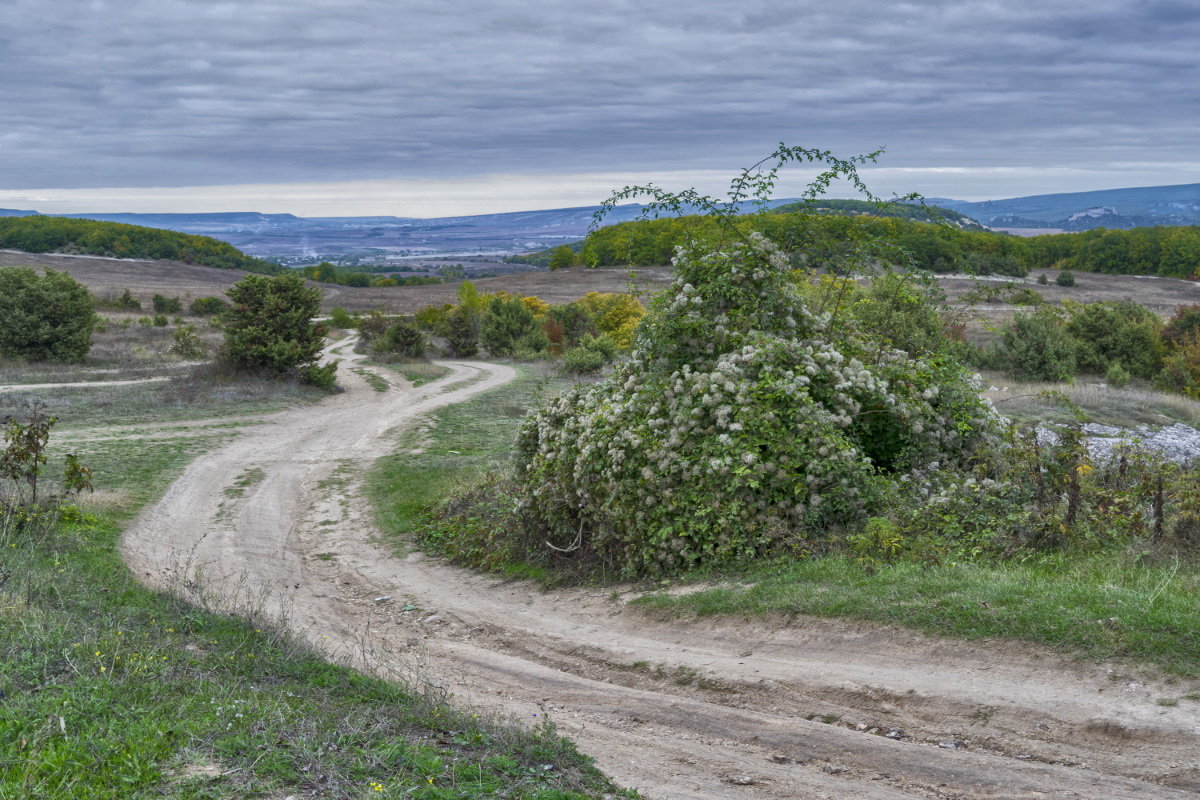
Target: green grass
417, 372
466, 440
182, 398
1099, 606
376, 382
112, 691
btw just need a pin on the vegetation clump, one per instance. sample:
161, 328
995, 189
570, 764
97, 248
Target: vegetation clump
741, 419
45, 317
269, 328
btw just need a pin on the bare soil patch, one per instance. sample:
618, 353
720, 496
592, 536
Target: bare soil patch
714, 709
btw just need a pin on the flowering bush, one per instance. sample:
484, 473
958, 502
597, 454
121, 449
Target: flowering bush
742, 419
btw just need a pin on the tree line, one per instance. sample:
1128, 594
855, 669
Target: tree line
40, 234
834, 240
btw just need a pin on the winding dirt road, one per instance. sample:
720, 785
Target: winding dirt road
274, 521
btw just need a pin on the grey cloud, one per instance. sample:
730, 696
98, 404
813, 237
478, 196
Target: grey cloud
172, 92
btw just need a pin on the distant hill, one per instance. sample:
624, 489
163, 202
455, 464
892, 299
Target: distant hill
45, 234
1145, 206
917, 212
354, 241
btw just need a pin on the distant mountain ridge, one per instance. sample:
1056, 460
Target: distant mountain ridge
1137, 207
351, 241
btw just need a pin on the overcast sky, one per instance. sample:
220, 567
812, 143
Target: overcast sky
463, 106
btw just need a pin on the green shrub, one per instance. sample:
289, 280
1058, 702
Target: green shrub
589, 356
503, 325
207, 306
186, 343
434, 319
128, 302
533, 345
341, 318
1122, 331
1117, 375
567, 324
1026, 297
741, 419
270, 327
401, 337
1043, 280
1182, 325
45, 317
902, 311
167, 305
1065, 278
1036, 347
462, 336
160, 321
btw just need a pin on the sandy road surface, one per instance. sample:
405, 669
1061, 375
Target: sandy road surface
806, 709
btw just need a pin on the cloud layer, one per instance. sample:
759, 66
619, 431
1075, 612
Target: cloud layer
194, 92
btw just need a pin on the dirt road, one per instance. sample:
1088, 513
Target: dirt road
806, 709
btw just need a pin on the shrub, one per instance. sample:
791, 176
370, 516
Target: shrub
567, 324
167, 305
401, 337
616, 314
1035, 346
269, 327
589, 356
434, 319
1117, 375
533, 345
341, 318
128, 302
160, 321
1123, 331
1043, 280
462, 336
742, 418
207, 306
1026, 297
1065, 278
45, 317
186, 343
1182, 325
22, 466
901, 310
1181, 369
506, 322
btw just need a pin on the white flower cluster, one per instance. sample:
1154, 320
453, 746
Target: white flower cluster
734, 421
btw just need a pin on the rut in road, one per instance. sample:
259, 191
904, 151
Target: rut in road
713, 709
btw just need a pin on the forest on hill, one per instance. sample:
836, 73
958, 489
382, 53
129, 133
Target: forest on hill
941, 248
41, 234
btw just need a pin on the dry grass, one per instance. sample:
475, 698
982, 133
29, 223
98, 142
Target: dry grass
1100, 403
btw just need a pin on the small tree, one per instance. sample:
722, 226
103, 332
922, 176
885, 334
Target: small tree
1065, 278
504, 325
167, 305
1037, 347
562, 258
44, 317
270, 326
207, 306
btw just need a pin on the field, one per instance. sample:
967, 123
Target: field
818, 678
109, 277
